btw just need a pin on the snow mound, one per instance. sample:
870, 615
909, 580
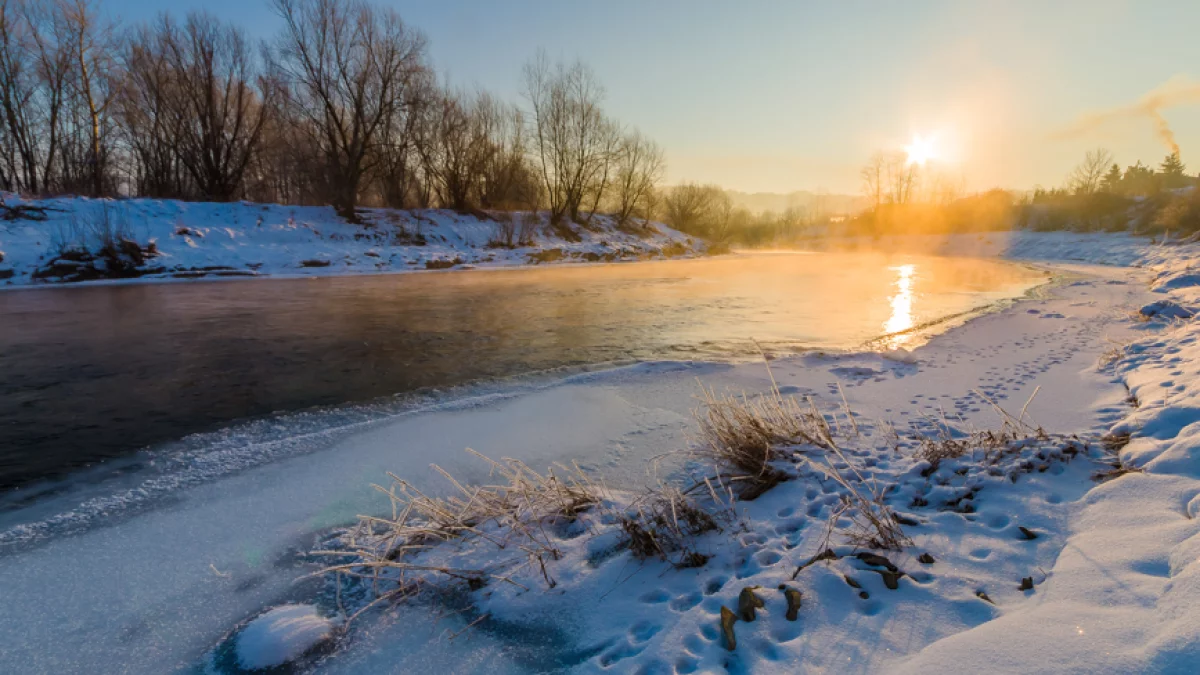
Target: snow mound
1170, 282
281, 635
1165, 309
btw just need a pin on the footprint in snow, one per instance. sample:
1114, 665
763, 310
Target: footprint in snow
642, 631
714, 585
685, 602
655, 597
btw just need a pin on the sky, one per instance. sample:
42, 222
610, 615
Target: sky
776, 96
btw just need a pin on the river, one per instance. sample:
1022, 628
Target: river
93, 373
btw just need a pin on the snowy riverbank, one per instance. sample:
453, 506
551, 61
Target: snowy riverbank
1112, 565
62, 240
1056, 548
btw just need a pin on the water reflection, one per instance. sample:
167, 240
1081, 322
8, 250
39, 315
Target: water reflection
901, 302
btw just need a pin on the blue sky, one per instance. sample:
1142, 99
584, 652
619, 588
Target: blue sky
776, 96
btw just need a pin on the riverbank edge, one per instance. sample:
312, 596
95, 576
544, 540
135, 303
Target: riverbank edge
77, 241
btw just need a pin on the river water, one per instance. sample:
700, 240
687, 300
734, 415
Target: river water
92, 373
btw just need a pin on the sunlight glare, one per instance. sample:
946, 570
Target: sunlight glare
921, 150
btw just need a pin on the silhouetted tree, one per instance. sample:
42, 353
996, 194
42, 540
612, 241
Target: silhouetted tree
347, 66
1089, 173
1172, 171
572, 141
1111, 182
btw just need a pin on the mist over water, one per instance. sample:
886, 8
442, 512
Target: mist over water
96, 373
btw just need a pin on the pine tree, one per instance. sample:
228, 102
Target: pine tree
1111, 182
1140, 179
1172, 170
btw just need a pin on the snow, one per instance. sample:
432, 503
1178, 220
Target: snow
1115, 565
281, 635
239, 239
653, 618
1125, 591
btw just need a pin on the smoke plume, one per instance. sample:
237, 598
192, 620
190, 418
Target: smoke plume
1177, 91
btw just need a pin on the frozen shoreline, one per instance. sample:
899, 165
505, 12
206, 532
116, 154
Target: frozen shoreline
612, 422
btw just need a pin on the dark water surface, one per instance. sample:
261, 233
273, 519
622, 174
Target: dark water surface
90, 373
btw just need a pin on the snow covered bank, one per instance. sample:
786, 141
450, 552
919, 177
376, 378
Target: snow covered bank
994, 528
1124, 593
1073, 549
62, 239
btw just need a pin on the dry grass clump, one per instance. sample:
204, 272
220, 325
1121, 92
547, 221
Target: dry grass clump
745, 435
1117, 467
1015, 433
934, 450
1115, 351
518, 513
665, 522
872, 523
994, 444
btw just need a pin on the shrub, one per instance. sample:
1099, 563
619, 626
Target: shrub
1180, 215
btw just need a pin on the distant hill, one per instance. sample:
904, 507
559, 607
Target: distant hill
772, 201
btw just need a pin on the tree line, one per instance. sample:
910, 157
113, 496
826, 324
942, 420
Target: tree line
903, 197
1099, 195
1098, 173
342, 106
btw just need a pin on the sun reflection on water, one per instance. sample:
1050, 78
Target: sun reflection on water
901, 318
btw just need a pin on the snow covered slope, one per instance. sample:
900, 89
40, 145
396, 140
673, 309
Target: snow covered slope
193, 239
1124, 593
1033, 564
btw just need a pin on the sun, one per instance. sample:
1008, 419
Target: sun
921, 150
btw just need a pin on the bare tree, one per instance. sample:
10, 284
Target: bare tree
18, 89
874, 178
609, 145
1087, 176
35, 64
696, 209
507, 180
457, 148
220, 112
347, 66
901, 178
92, 47
639, 168
145, 110
400, 179
572, 141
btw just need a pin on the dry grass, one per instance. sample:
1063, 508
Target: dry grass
518, 514
665, 522
745, 435
1114, 353
872, 523
1113, 444
1015, 432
